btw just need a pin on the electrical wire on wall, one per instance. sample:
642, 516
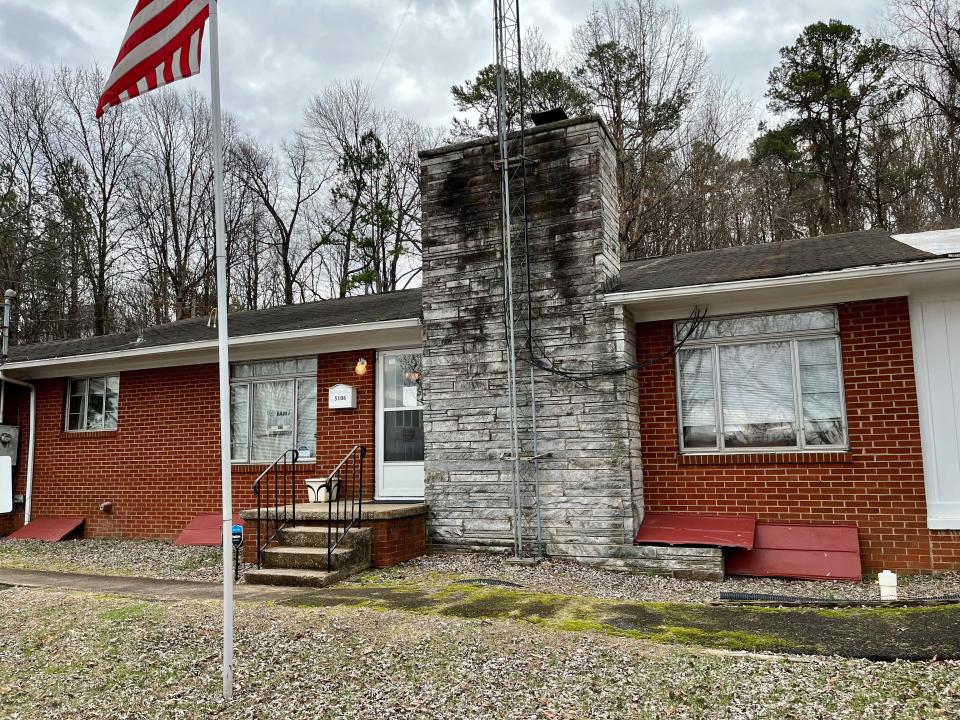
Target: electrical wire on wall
513, 166
686, 331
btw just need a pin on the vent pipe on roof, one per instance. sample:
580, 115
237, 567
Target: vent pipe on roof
8, 297
545, 117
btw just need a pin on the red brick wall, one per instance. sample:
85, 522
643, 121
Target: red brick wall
878, 485
399, 540
161, 466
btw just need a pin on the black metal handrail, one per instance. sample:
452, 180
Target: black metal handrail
344, 487
276, 480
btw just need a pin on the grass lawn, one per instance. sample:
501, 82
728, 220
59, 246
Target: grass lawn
72, 655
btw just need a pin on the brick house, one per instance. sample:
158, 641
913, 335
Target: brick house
809, 381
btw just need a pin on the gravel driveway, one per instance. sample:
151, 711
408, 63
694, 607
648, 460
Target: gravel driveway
71, 656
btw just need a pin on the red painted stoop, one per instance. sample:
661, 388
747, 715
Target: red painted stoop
49, 529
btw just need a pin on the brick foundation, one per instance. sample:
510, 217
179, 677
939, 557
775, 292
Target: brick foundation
878, 485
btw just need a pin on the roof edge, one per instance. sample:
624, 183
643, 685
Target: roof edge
536, 129
200, 345
853, 273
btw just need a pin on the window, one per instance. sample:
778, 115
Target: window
273, 408
92, 403
762, 382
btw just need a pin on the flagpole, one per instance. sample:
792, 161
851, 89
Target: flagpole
222, 356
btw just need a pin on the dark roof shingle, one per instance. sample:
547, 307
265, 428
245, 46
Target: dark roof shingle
768, 260
400, 305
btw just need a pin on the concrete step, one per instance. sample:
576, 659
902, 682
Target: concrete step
310, 558
316, 536
692, 563
291, 577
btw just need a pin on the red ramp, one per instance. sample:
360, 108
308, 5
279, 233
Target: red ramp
204, 529
808, 552
660, 528
49, 529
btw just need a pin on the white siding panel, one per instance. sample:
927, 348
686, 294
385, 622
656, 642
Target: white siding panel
936, 336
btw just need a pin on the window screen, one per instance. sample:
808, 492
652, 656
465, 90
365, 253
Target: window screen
402, 408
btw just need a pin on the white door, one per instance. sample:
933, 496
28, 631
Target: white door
399, 425
935, 323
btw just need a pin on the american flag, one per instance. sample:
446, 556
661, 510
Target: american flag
162, 44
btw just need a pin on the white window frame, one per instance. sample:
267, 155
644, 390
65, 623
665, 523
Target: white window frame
714, 344
86, 399
380, 492
249, 382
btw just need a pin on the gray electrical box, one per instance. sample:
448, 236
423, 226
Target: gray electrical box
9, 442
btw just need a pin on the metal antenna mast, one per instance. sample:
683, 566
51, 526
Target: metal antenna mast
513, 196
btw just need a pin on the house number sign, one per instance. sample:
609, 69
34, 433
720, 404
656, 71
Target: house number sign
342, 397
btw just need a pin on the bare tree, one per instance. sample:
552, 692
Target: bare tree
643, 67
391, 223
927, 36
286, 186
339, 127
105, 149
171, 202
370, 225
26, 105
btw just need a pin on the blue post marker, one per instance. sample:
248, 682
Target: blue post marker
236, 534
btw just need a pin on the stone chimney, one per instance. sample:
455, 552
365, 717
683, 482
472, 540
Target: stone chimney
590, 478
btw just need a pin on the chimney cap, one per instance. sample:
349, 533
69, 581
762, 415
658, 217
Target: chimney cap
552, 115
10, 294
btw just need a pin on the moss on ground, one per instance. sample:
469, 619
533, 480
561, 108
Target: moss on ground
852, 632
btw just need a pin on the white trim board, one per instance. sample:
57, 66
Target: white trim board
935, 329
783, 293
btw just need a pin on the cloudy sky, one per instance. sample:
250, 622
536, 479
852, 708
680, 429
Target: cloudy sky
276, 53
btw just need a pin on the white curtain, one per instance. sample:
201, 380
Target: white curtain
697, 398
820, 387
272, 419
758, 395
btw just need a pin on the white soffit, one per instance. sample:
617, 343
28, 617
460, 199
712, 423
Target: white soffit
937, 242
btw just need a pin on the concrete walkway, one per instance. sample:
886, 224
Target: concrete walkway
144, 587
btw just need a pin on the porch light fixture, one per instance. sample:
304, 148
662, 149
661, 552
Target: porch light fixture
361, 368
